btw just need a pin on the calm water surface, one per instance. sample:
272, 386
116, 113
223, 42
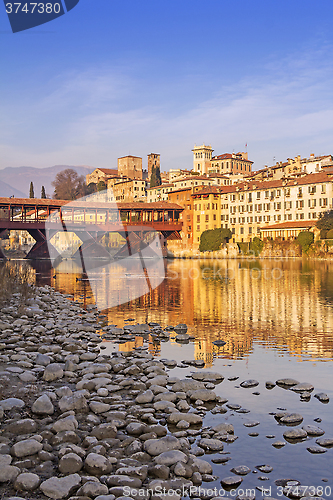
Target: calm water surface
277, 320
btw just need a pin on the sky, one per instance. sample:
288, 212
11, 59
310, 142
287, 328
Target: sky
118, 77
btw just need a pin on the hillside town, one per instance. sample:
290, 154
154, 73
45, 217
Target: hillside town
224, 191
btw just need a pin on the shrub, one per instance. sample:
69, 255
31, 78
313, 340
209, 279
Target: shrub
323, 233
329, 234
305, 239
256, 246
212, 239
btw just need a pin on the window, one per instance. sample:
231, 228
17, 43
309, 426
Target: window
258, 195
207, 218
266, 194
198, 218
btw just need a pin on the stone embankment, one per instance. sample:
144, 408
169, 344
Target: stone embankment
78, 424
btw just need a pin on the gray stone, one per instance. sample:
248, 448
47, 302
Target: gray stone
97, 464
291, 418
43, 406
11, 404
58, 488
70, 463
325, 442
241, 470
53, 372
302, 387
8, 473
295, 434
203, 395
200, 465
322, 397
313, 430
287, 382
65, 424
186, 385
145, 397
170, 457
224, 428
98, 407
316, 449
27, 481
92, 489
211, 444
231, 481
191, 418
26, 447
24, 426
103, 431
247, 384
156, 446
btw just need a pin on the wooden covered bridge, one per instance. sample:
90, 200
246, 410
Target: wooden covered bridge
90, 221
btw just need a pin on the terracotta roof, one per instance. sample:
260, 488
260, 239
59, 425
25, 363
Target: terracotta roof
89, 204
208, 190
229, 156
108, 171
193, 177
129, 156
189, 188
161, 186
298, 224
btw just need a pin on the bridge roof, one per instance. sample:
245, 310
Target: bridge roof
44, 202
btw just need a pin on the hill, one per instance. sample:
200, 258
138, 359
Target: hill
20, 177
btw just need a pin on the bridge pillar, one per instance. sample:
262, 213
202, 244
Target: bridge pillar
2, 255
42, 248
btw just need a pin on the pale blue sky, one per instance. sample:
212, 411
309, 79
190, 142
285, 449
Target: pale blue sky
112, 78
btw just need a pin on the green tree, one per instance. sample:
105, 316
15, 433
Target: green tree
212, 239
325, 222
91, 188
305, 239
43, 194
101, 186
68, 185
31, 190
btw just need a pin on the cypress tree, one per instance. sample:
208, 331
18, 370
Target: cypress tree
158, 176
31, 190
43, 194
153, 177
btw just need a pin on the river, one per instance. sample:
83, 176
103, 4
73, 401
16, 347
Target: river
276, 317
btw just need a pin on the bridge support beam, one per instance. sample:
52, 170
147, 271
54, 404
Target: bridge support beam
42, 248
91, 248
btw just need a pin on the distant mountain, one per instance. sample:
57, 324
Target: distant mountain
20, 177
6, 190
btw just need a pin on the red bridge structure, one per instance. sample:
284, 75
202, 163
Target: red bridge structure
90, 221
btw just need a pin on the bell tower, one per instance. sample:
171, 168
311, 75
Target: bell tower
202, 156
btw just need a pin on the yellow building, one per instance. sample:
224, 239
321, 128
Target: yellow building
206, 211
101, 174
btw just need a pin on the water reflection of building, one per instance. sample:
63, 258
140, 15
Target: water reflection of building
287, 304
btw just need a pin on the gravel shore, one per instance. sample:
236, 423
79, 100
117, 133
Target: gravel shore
78, 424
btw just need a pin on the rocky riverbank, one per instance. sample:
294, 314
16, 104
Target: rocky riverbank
79, 424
